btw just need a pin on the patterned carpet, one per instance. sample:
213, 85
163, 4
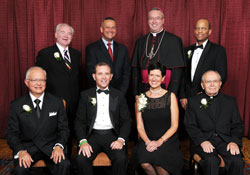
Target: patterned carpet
6, 163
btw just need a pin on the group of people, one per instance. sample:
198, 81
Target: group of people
41, 124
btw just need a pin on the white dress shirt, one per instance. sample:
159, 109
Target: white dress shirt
62, 50
106, 44
196, 58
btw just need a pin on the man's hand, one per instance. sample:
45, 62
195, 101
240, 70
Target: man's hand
207, 147
234, 148
25, 159
184, 102
152, 146
57, 155
86, 150
118, 144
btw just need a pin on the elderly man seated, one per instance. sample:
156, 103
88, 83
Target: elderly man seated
214, 125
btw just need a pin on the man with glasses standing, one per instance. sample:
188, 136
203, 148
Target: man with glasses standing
157, 46
37, 127
62, 64
201, 57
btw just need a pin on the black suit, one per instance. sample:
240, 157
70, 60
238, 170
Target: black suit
38, 136
220, 123
120, 67
121, 121
213, 57
61, 81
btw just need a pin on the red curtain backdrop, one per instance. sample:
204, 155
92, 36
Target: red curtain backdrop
29, 25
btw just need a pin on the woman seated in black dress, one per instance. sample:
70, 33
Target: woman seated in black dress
157, 115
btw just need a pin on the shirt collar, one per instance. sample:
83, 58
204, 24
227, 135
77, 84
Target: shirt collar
204, 43
40, 98
61, 48
154, 34
106, 42
107, 88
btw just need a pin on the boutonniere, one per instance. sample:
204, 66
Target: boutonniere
143, 101
93, 101
27, 109
190, 54
204, 103
57, 56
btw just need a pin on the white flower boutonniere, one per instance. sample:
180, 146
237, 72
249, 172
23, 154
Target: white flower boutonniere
27, 109
57, 56
93, 101
190, 54
204, 103
143, 101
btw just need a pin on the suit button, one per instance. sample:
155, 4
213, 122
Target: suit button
215, 134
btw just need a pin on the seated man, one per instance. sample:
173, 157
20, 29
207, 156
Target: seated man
102, 124
215, 127
37, 127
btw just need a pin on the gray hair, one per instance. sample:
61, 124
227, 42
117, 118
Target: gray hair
64, 24
157, 9
34, 67
202, 78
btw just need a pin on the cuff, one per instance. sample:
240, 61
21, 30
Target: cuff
122, 140
58, 144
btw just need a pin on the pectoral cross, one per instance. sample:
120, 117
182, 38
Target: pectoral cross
151, 54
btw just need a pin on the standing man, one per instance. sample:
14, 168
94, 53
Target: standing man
215, 127
201, 57
111, 52
62, 64
157, 46
37, 127
102, 124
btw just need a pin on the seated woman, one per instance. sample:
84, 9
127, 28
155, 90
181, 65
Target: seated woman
158, 150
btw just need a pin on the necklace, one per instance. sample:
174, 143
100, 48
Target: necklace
152, 55
155, 92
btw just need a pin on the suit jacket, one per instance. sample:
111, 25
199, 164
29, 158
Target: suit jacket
118, 111
120, 67
26, 132
201, 125
213, 57
61, 81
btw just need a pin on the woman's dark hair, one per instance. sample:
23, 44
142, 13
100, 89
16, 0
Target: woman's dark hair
157, 66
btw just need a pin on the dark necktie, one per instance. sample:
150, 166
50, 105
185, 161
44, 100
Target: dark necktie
110, 51
67, 60
37, 109
196, 47
100, 91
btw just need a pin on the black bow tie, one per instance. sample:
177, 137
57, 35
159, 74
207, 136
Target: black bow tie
196, 47
100, 91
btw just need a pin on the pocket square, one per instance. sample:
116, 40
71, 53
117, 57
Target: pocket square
52, 114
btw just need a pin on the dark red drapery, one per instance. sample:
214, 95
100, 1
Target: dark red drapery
28, 26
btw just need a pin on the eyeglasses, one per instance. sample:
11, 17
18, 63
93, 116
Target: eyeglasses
157, 18
211, 81
201, 28
37, 80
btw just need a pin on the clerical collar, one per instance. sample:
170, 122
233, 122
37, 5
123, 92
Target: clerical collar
212, 97
154, 34
204, 43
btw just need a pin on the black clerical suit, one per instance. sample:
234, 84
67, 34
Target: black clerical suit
213, 57
169, 53
220, 123
120, 67
121, 122
38, 136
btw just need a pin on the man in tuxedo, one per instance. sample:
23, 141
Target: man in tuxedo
62, 64
111, 52
157, 46
102, 124
215, 127
37, 127
201, 57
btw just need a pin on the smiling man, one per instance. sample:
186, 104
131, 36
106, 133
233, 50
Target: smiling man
111, 52
157, 46
200, 57
62, 64
215, 127
102, 124
37, 127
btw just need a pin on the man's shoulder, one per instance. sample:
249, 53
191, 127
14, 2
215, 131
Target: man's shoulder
116, 92
94, 45
52, 97
87, 92
120, 45
48, 49
19, 101
171, 35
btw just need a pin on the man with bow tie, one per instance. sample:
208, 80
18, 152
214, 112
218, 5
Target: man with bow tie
214, 125
38, 128
201, 57
102, 124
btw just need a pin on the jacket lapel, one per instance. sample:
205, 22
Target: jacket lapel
62, 63
104, 50
92, 108
113, 101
